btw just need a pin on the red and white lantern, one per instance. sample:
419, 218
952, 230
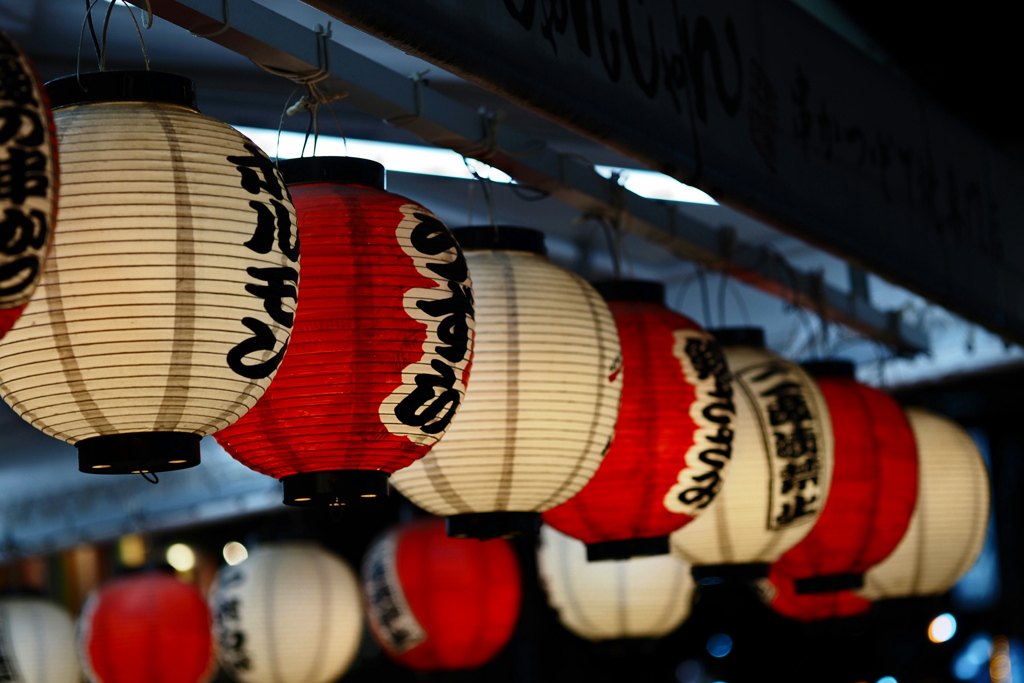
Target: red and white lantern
290, 613
782, 464
436, 603
149, 627
167, 303
28, 180
947, 530
673, 439
380, 353
540, 410
873, 493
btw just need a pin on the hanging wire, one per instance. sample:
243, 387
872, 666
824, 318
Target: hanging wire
100, 43
488, 190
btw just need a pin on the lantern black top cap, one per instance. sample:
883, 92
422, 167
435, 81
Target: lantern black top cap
738, 336
343, 170
122, 86
501, 237
631, 290
830, 368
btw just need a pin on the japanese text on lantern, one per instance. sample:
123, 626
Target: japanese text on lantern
272, 284
793, 437
227, 624
389, 611
447, 312
26, 164
712, 411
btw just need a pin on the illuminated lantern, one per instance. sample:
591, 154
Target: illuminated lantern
673, 438
28, 181
781, 465
643, 597
378, 359
540, 409
148, 627
440, 604
290, 613
37, 642
871, 499
168, 301
948, 527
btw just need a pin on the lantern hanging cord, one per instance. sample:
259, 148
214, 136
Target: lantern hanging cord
100, 44
146, 475
225, 25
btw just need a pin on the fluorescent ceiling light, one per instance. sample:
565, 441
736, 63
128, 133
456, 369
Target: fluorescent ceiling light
444, 162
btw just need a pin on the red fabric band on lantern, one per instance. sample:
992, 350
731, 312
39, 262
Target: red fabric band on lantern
652, 481
436, 603
149, 627
873, 492
380, 351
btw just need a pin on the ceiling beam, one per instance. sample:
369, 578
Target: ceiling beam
277, 42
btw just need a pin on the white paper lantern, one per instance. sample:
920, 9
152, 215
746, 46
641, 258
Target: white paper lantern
643, 597
37, 642
542, 399
947, 529
168, 300
290, 613
781, 465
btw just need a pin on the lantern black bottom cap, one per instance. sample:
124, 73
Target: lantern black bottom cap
627, 548
488, 525
334, 488
712, 574
138, 452
832, 583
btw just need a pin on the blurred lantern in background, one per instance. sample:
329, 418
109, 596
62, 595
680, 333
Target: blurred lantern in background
37, 642
436, 603
28, 181
781, 470
378, 360
674, 435
643, 597
147, 627
871, 499
947, 530
167, 305
540, 409
290, 613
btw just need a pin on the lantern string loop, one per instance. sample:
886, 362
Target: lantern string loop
146, 475
418, 80
100, 43
225, 25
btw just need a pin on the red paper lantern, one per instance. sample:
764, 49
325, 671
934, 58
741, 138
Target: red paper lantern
380, 351
436, 603
28, 181
673, 438
869, 505
149, 627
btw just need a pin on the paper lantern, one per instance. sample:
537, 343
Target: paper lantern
674, 435
440, 604
871, 499
28, 181
288, 614
947, 530
148, 627
37, 642
540, 409
379, 356
643, 597
781, 465
168, 302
